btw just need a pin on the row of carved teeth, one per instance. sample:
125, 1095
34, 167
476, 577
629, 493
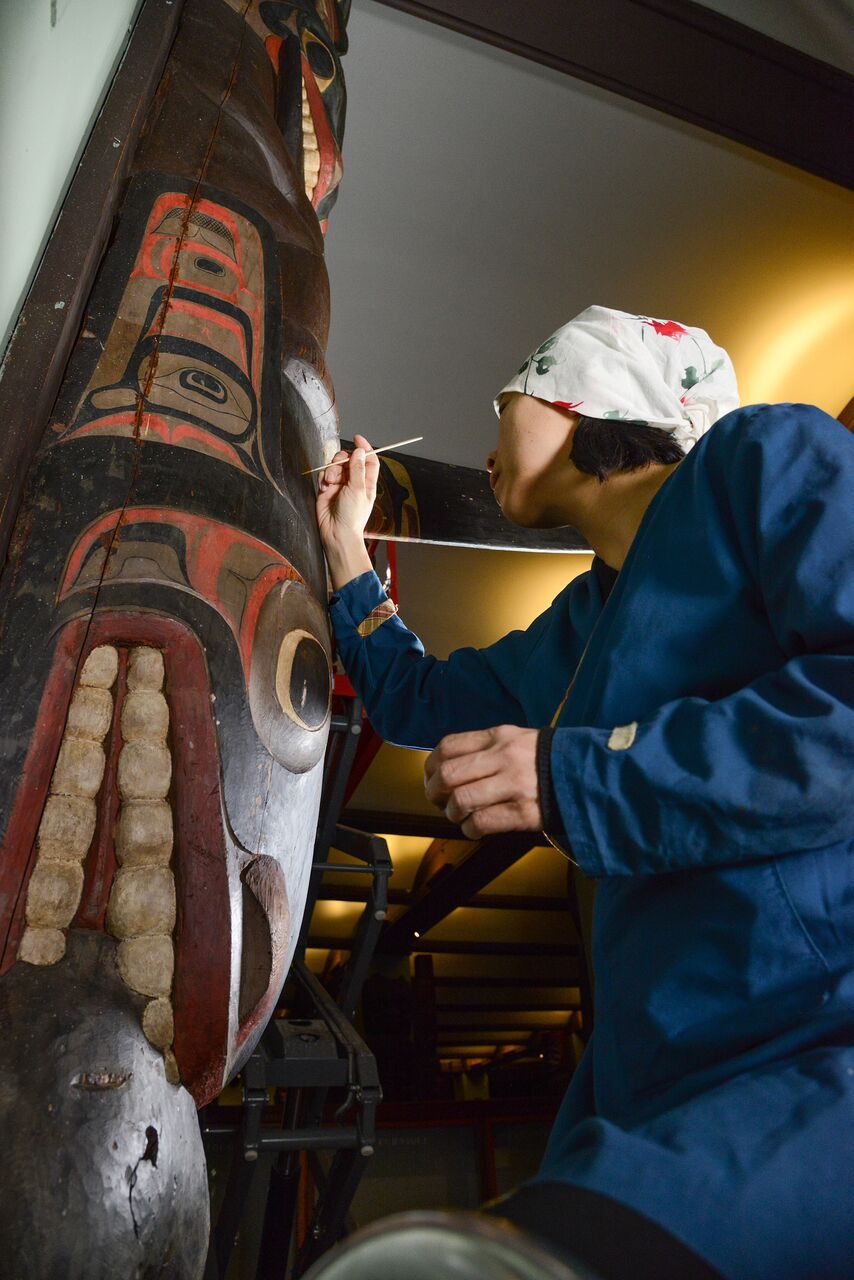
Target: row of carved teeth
141, 909
68, 821
310, 149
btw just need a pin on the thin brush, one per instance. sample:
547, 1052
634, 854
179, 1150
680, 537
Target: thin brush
382, 449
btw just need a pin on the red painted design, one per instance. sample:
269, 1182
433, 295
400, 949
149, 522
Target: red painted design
273, 45
168, 257
566, 404
154, 427
203, 977
207, 543
155, 260
667, 329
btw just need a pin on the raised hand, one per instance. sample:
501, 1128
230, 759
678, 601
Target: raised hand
345, 499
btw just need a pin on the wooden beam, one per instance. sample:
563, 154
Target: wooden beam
446, 887
491, 1049
450, 1112
518, 902
480, 982
559, 1006
439, 859
395, 823
683, 59
489, 901
319, 942
50, 318
424, 1026
438, 948
358, 893
473, 1030
456, 507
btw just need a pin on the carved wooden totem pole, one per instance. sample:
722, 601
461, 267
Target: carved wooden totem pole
165, 657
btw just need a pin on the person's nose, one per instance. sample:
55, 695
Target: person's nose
490, 460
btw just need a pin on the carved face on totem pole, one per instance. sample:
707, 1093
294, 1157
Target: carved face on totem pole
165, 656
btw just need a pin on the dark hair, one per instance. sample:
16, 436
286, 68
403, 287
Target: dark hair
603, 445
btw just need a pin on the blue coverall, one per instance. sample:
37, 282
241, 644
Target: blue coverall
717, 1093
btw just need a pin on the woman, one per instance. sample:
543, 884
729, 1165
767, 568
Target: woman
680, 721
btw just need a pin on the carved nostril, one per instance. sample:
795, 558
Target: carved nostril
152, 1142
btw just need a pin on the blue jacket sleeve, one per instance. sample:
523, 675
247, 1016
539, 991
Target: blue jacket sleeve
766, 770
413, 700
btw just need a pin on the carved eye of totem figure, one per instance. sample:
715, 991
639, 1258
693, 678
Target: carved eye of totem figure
165, 665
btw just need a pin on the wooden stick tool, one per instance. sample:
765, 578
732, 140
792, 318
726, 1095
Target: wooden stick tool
398, 444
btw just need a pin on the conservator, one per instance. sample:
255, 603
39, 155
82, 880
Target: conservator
700, 770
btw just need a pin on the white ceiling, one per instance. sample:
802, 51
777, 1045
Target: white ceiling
487, 199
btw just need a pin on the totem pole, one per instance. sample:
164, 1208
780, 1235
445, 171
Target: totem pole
165, 656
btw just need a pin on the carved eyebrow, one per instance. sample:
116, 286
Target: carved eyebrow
217, 228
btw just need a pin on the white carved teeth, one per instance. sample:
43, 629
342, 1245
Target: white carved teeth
144, 834
142, 900
141, 910
66, 828
101, 667
310, 149
147, 964
145, 669
158, 1023
53, 894
145, 770
79, 768
90, 714
145, 716
42, 946
68, 821
159, 1027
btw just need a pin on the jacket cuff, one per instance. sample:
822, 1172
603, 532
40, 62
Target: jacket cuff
357, 602
549, 807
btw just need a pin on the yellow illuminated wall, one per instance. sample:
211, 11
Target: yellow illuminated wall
799, 344
774, 286
454, 596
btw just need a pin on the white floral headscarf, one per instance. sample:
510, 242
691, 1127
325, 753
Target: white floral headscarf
609, 364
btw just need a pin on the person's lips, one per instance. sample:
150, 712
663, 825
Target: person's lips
493, 480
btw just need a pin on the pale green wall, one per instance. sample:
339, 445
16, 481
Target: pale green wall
57, 58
